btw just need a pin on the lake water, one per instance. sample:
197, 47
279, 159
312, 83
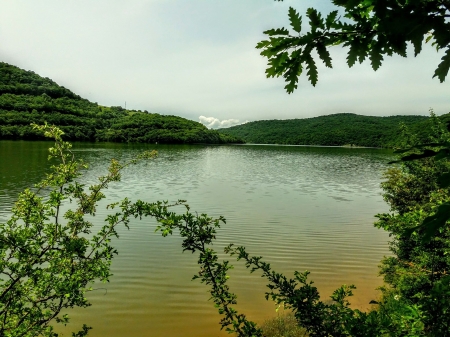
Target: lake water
301, 208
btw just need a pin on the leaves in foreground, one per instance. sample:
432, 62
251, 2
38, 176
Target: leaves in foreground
369, 29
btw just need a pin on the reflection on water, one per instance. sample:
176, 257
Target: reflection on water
299, 207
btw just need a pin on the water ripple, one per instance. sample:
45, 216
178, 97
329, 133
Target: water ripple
302, 208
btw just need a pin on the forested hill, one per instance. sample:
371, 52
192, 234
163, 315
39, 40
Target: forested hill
26, 97
338, 129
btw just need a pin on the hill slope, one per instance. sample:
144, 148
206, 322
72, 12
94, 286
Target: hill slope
338, 129
26, 97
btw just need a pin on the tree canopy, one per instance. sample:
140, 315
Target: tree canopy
371, 29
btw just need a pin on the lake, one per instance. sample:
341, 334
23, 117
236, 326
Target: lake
301, 208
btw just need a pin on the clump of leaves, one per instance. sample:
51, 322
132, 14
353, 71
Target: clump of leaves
284, 325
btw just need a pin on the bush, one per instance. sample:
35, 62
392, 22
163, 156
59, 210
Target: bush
284, 325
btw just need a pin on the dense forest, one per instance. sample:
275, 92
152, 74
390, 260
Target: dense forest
26, 98
333, 130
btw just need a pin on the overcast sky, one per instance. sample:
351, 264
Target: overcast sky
197, 59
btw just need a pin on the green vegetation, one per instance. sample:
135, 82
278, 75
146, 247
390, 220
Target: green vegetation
418, 272
48, 259
282, 326
371, 29
332, 130
27, 98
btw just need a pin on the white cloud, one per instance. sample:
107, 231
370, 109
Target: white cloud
215, 123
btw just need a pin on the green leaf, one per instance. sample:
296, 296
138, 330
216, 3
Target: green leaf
312, 69
330, 20
376, 57
315, 19
363, 50
276, 44
294, 67
278, 31
443, 67
263, 44
295, 19
279, 44
399, 46
432, 223
352, 55
279, 60
417, 43
324, 54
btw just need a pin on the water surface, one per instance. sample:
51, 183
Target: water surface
302, 208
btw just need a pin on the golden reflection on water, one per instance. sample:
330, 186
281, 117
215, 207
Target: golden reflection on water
301, 208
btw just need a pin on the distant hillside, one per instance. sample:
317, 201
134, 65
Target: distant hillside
338, 129
26, 97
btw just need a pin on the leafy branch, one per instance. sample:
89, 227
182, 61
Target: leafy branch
198, 233
47, 259
370, 29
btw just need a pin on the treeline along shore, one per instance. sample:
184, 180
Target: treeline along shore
335, 130
26, 98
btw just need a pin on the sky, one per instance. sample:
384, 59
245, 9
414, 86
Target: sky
197, 59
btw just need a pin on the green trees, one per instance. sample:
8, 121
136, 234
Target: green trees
418, 271
331, 130
371, 29
26, 98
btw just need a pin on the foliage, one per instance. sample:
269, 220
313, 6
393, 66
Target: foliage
282, 326
198, 232
371, 29
419, 269
437, 150
332, 130
27, 98
47, 263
